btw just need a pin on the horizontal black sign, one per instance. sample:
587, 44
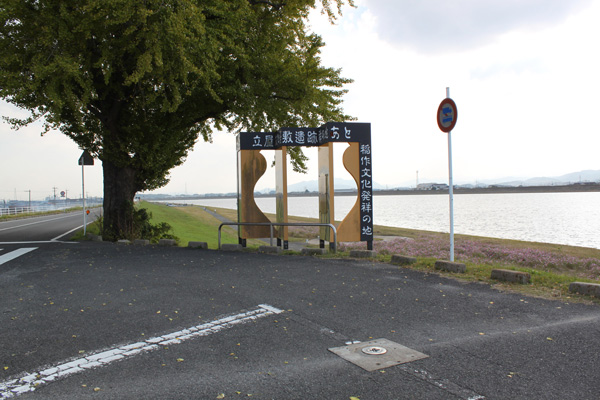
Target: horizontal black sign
330, 132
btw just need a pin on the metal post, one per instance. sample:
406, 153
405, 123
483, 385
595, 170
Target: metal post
332, 245
83, 199
450, 188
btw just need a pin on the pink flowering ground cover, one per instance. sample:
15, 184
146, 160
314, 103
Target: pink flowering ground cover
480, 252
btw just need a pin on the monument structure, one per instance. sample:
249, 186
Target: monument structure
357, 159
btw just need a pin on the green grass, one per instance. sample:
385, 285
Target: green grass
543, 284
92, 228
190, 224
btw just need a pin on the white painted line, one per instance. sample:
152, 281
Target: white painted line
28, 382
38, 242
14, 254
34, 223
72, 230
446, 385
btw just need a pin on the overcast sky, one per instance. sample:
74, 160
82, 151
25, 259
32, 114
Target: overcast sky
523, 73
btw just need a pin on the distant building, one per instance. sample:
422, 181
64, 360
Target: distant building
432, 186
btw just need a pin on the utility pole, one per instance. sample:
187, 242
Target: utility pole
29, 199
417, 185
54, 189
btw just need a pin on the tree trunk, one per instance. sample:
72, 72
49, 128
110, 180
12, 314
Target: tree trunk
119, 193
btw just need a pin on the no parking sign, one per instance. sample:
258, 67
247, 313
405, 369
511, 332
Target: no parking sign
447, 115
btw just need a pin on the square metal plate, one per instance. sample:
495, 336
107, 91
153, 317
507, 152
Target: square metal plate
395, 354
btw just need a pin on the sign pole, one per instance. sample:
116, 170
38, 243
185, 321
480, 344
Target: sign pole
450, 187
85, 159
447, 115
83, 199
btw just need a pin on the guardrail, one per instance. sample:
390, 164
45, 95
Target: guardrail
272, 224
39, 209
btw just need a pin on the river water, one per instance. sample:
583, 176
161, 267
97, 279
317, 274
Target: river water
561, 218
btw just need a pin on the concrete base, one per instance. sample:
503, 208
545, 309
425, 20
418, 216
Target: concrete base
231, 247
395, 354
363, 253
141, 242
167, 242
450, 266
511, 276
123, 241
588, 289
269, 249
198, 245
309, 251
403, 260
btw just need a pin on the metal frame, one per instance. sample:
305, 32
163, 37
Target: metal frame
271, 224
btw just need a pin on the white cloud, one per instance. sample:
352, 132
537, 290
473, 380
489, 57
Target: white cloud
442, 26
524, 93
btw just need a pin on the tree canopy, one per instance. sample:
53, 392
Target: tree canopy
136, 83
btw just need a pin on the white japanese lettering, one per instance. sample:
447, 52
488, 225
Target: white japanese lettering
286, 137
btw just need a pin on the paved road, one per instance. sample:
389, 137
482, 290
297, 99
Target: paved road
43, 228
105, 321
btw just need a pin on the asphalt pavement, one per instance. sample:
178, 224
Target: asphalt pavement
106, 321
44, 228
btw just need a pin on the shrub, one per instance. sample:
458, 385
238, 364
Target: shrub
142, 228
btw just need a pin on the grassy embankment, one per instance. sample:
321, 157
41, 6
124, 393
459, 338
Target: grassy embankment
187, 223
552, 267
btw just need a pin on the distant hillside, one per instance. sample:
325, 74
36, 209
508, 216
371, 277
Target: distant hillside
573, 177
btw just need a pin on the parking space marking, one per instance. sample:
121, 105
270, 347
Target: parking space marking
14, 254
29, 382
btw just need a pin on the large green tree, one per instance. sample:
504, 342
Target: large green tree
137, 82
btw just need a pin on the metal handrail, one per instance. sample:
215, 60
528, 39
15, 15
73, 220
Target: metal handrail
271, 224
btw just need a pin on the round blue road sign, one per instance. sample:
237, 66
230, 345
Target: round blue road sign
447, 115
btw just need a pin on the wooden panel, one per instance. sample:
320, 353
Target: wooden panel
281, 194
252, 166
326, 203
349, 228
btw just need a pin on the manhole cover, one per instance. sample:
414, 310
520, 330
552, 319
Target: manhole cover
374, 350
377, 354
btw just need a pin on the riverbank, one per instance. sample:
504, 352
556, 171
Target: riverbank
574, 188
